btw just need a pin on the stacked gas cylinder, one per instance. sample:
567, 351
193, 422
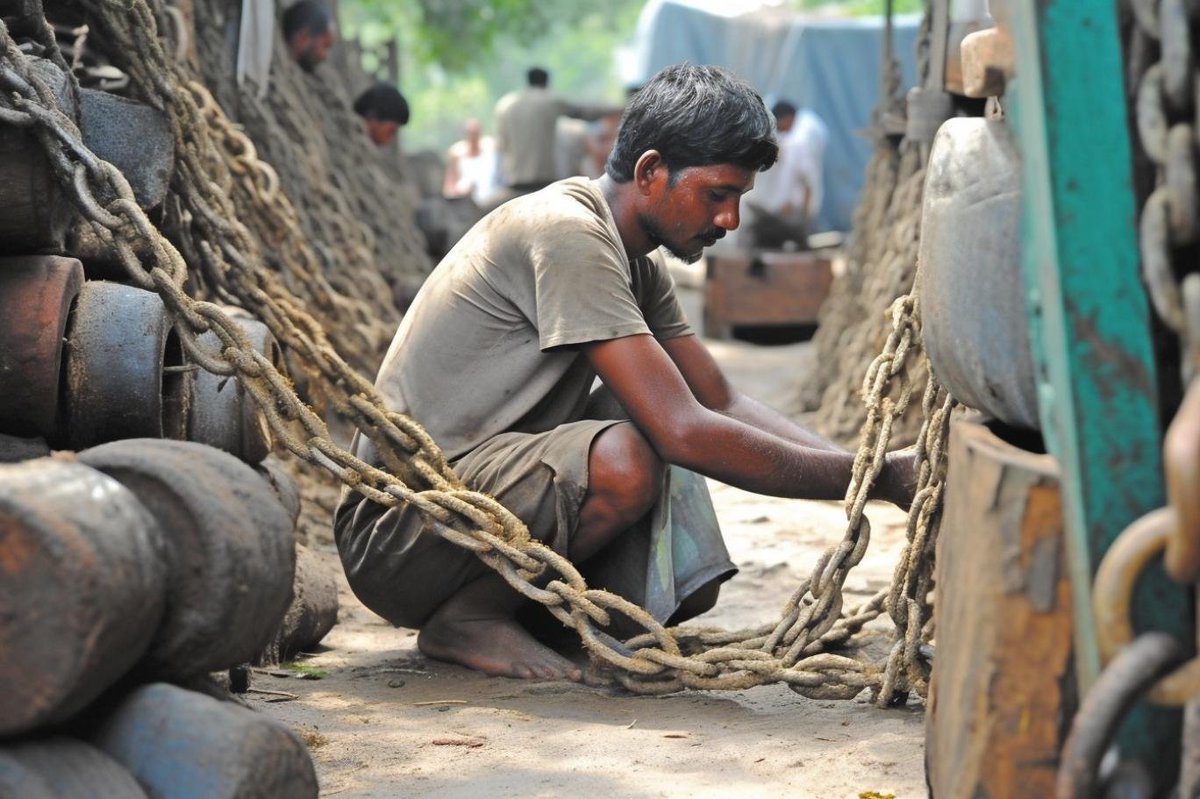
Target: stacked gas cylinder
146, 538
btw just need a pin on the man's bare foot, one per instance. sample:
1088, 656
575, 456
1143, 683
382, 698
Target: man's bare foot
496, 646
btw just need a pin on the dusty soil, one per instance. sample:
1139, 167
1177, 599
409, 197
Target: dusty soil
386, 722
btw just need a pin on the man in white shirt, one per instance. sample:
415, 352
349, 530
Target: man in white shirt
788, 197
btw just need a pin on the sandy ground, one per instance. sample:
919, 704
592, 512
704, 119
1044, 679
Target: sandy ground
386, 722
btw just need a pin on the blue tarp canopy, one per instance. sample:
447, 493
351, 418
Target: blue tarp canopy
831, 66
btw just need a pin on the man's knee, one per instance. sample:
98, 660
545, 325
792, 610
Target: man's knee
624, 472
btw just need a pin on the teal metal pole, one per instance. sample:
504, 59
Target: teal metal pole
1088, 313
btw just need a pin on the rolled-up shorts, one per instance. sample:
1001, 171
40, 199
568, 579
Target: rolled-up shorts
404, 571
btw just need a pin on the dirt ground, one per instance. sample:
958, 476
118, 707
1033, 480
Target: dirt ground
384, 721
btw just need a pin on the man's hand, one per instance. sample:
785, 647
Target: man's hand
898, 480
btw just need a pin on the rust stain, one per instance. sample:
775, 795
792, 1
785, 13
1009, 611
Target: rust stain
15, 549
1109, 358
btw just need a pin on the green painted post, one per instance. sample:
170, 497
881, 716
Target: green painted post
1088, 314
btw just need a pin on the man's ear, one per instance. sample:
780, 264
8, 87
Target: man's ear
650, 170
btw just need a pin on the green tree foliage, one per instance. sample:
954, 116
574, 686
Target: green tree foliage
458, 35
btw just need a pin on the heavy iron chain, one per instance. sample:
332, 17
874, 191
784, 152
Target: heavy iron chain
1163, 73
791, 652
276, 225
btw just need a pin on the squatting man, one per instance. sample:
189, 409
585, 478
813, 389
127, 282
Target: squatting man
498, 355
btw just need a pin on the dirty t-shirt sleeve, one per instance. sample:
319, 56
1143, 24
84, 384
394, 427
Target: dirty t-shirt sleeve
583, 290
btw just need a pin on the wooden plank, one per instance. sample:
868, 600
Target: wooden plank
1003, 620
1088, 314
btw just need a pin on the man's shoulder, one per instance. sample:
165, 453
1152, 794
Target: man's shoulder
505, 102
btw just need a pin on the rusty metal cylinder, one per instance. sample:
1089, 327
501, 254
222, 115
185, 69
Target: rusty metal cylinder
230, 552
36, 295
125, 370
974, 325
223, 415
82, 582
185, 745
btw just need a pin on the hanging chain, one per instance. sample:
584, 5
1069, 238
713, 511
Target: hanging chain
1167, 108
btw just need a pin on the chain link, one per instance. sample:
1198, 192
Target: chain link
792, 651
1166, 104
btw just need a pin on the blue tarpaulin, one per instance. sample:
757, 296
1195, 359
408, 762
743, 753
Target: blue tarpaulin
831, 66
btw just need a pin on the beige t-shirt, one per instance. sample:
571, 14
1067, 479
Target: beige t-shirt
526, 135
486, 347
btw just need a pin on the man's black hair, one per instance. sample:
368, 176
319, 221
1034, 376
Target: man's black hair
694, 116
382, 101
782, 109
538, 77
306, 16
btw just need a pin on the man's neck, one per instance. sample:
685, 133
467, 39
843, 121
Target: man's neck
621, 199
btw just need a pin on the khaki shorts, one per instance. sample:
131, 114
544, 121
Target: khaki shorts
404, 572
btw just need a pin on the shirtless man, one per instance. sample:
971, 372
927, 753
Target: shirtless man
497, 357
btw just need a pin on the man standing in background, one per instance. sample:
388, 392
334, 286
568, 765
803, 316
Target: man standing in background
526, 133
471, 165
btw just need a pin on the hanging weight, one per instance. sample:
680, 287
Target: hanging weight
974, 325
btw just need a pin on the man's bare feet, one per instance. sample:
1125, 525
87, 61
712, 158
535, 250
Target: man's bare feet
495, 646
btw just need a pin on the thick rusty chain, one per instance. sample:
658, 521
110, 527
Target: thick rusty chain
789, 653
1163, 82
1167, 104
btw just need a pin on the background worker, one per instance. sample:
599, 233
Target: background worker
309, 32
384, 111
471, 165
787, 197
527, 132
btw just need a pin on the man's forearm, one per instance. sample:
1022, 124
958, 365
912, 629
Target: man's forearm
746, 455
755, 413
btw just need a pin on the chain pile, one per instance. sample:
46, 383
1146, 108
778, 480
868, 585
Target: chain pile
793, 651
1163, 78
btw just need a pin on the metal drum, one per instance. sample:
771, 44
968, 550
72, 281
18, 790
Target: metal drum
83, 574
223, 415
969, 282
125, 373
36, 293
